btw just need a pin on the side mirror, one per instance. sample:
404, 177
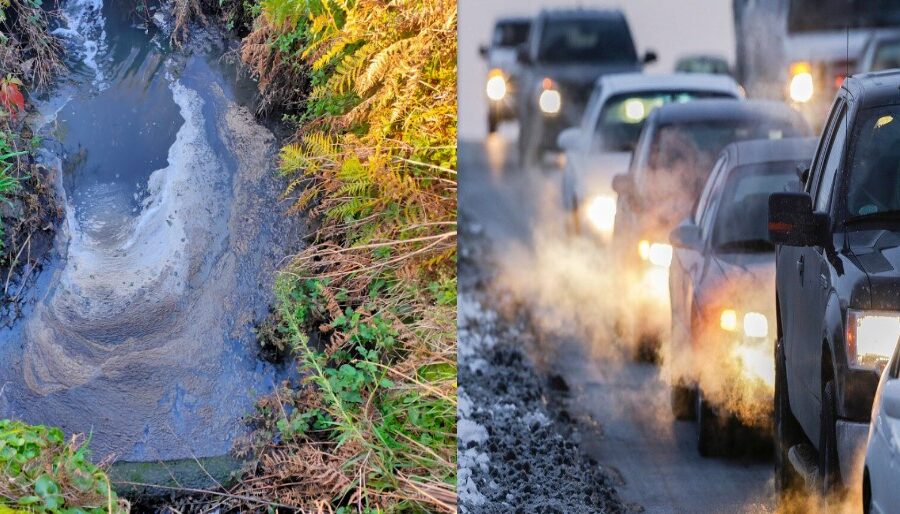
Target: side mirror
522, 54
623, 184
650, 57
792, 221
483, 50
890, 398
686, 235
568, 138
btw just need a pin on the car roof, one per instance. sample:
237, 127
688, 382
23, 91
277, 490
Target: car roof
618, 82
770, 150
581, 13
512, 19
875, 88
723, 109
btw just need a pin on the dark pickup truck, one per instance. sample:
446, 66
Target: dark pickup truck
566, 51
837, 286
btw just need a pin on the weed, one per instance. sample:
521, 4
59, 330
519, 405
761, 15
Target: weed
41, 472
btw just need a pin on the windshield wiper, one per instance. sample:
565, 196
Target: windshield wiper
755, 245
893, 215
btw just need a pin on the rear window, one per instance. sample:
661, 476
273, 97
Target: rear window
586, 40
511, 33
823, 15
741, 223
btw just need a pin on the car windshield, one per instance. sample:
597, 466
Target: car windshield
815, 15
510, 33
741, 223
703, 65
586, 40
887, 56
874, 185
622, 117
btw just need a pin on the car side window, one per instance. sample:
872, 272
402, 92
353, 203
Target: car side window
708, 214
831, 163
822, 147
707, 190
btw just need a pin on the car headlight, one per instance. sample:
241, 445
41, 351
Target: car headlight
601, 212
659, 254
871, 337
496, 85
801, 86
550, 100
753, 324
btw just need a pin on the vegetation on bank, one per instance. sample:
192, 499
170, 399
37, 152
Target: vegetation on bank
369, 307
43, 473
29, 58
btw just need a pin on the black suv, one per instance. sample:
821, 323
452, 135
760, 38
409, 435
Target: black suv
565, 53
838, 286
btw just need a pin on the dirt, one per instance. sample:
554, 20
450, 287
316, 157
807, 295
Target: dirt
517, 449
30, 219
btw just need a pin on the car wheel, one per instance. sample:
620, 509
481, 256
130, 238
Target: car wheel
787, 432
829, 469
683, 401
711, 436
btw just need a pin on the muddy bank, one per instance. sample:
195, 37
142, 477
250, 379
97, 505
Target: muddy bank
140, 329
516, 449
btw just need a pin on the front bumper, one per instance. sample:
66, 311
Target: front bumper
857, 392
851, 445
503, 109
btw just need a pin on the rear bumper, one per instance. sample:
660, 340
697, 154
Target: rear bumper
851, 443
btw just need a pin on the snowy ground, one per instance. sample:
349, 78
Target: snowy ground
516, 450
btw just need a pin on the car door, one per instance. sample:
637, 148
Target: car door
686, 265
789, 286
813, 270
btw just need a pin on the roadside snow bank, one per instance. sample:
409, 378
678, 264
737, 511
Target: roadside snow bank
510, 452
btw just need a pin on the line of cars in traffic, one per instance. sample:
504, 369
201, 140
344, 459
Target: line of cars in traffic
762, 264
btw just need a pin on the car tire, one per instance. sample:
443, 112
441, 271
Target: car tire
684, 401
829, 467
712, 436
787, 433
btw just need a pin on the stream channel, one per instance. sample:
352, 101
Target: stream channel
138, 332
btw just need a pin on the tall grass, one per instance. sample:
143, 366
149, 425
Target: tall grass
369, 307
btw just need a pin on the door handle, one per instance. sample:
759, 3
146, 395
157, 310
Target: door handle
800, 267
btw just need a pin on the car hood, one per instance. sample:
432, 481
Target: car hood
746, 278
503, 58
580, 75
877, 254
595, 171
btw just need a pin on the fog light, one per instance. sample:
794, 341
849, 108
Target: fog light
728, 320
755, 325
496, 85
801, 86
